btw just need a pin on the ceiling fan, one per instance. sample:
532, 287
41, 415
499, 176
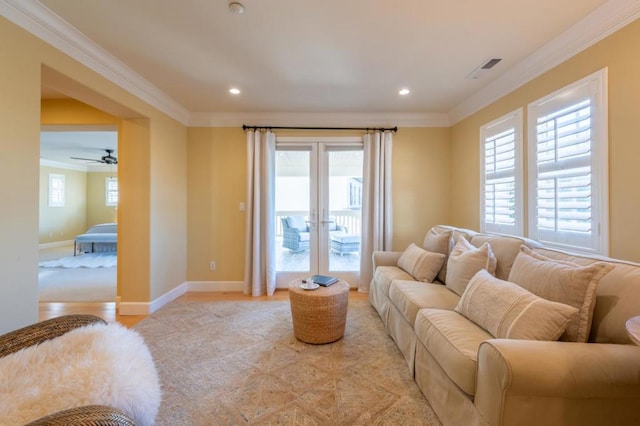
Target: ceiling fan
105, 159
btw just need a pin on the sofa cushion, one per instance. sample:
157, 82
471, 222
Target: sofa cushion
505, 249
508, 311
423, 265
453, 341
464, 261
563, 282
297, 222
384, 275
411, 296
439, 241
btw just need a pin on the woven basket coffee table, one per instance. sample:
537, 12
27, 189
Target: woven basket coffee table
320, 315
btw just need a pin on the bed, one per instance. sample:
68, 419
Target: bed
99, 238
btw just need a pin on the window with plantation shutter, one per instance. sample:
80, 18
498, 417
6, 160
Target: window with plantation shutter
56, 190
111, 191
568, 167
501, 175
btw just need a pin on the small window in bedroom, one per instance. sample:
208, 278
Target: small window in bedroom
56, 190
111, 191
568, 158
501, 179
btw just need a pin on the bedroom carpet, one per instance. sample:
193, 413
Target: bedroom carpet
237, 363
77, 285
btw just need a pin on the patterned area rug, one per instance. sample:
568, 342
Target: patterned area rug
238, 363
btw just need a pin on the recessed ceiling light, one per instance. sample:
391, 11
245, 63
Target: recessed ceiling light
234, 91
236, 8
404, 92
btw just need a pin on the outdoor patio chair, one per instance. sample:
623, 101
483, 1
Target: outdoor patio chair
295, 232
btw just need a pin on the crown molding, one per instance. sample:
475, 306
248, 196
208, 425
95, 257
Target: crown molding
602, 22
295, 119
59, 165
37, 19
44, 24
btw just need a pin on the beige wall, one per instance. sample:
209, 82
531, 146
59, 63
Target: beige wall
618, 52
19, 141
168, 204
216, 181
97, 210
217, 184
24, 60
421, 181
84, 206
63, 223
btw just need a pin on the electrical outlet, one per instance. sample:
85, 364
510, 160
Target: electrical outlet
212, 265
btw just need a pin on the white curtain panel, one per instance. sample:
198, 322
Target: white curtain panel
377, 207
260, 269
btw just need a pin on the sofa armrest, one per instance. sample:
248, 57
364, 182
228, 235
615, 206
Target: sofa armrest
385, 258
533, 382
39, 332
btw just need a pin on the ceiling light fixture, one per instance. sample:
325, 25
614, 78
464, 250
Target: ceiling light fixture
234, 91
404, 92
236, 8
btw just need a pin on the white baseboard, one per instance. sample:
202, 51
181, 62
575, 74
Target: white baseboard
146, 308
55, 244
198, 286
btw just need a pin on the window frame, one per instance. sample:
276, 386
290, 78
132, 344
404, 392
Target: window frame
593, 87
57, 196
108, 191
513, 119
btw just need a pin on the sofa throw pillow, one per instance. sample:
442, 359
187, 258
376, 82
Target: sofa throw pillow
508, 311
437, 241
423, 265
559, 281
465, 260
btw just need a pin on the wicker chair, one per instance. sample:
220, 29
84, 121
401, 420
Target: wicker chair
295, 232
34, 334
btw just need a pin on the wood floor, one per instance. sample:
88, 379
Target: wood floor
108, 310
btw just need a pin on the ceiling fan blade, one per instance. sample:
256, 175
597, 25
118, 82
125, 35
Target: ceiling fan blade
87, 159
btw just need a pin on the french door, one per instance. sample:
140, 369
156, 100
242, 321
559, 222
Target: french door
318, 199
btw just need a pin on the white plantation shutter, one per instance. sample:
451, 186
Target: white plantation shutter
56, 190
501, 175
568, 160
111, 191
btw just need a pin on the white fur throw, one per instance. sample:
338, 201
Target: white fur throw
97, 364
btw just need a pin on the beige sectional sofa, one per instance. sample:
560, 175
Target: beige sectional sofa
458, 353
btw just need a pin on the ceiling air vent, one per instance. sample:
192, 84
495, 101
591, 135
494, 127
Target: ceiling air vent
483, 68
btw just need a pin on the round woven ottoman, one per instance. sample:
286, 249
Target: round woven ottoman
319, 316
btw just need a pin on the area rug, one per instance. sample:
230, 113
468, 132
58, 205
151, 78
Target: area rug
238, 363
87, 260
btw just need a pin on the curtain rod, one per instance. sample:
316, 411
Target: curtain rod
381, 129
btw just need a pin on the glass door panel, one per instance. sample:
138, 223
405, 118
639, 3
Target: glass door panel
344, 202
318, 197
292, 203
